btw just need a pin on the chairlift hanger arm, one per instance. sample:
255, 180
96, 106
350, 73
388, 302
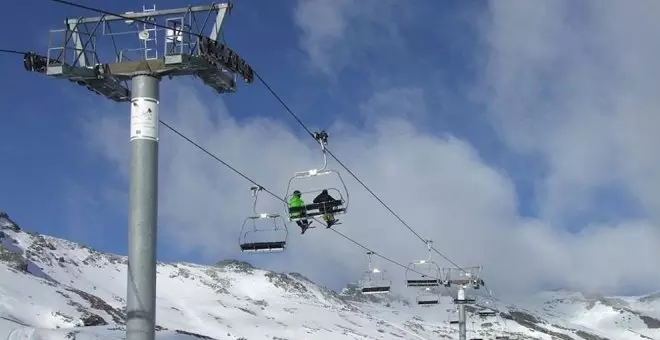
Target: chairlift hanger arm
429, 246
255, 193
370, 266
322, 138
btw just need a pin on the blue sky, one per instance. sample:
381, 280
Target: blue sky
444, 68
59, 160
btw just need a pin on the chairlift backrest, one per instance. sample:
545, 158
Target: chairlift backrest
428, 302
485, 313
375, 290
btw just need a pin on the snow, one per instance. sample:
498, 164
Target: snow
66, 283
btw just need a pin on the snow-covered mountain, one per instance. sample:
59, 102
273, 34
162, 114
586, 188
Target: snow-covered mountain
52, 288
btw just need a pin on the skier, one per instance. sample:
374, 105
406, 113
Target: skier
328, 216
297, 202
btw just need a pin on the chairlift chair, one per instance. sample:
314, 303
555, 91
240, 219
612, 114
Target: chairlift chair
311, 210
486, 313
427, 297
374, 281
424, 273
272, 226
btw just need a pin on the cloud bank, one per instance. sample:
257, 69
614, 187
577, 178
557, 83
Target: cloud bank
572, 86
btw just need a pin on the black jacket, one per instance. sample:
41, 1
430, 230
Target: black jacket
322, 198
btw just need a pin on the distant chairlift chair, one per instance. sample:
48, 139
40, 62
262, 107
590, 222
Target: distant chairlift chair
374, 281
424, 273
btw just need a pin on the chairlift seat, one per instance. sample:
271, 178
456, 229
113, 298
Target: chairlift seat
375, 290
423, 283
263, 246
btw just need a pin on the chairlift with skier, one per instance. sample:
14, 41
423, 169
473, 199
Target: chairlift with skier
318, 200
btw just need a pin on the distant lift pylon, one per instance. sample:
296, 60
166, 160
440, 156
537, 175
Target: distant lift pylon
311, 210
374, 281
263, 232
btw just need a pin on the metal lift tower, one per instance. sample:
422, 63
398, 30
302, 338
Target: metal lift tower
463, 279
142, 47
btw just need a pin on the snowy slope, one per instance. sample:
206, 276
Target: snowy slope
50, 288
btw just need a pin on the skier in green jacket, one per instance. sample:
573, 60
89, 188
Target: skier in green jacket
297, 202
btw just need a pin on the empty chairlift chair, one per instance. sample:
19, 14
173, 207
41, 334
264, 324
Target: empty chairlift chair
302, 179
373, 281
423, 273
427, 296
486, 313
263, 232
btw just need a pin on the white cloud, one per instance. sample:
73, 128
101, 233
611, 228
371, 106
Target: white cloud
323, 24
334, 31
574, 83
440, 186
407, 103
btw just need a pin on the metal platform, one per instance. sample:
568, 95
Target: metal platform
172, 43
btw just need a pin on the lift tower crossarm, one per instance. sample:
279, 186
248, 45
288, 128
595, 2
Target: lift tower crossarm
173, 42
221, 8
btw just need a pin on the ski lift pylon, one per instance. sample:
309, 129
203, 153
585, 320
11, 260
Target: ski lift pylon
423, 273
374, 281
270, 224
311, 210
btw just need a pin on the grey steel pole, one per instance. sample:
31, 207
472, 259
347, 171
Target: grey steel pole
143, 209
461, 314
